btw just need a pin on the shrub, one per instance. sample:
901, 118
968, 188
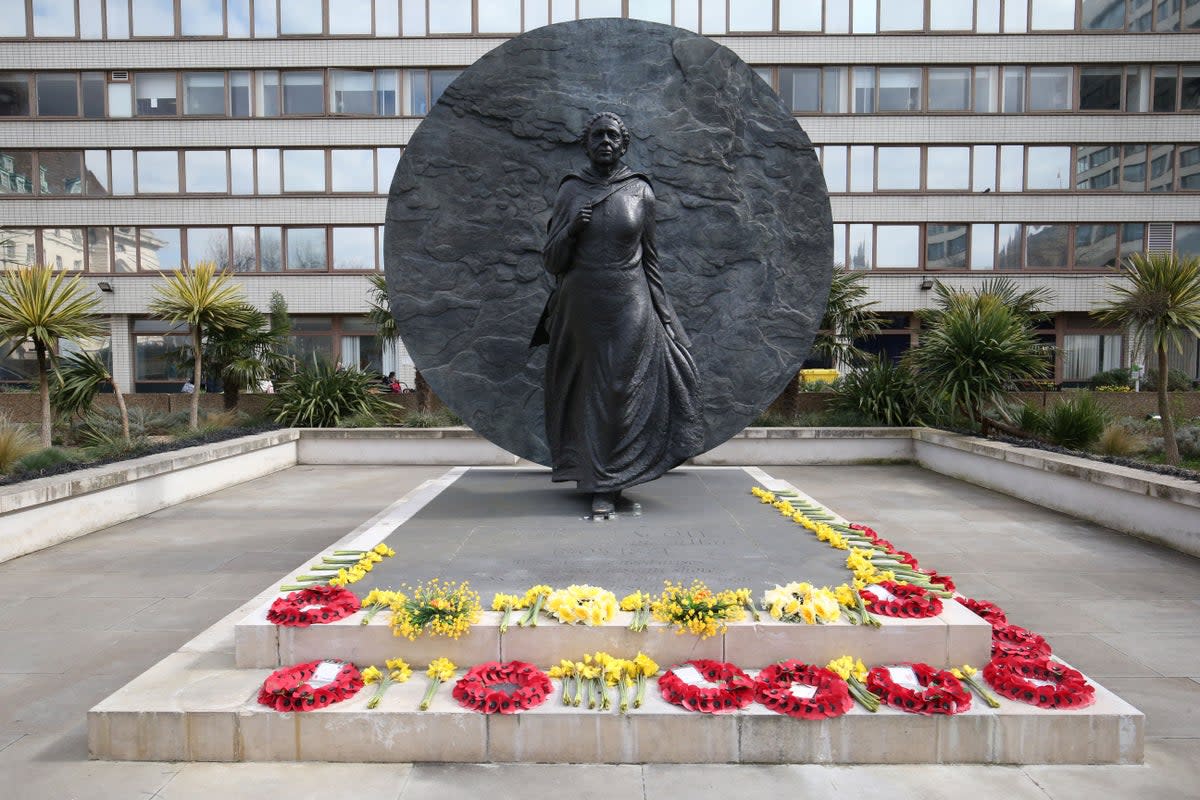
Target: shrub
43, 460
771, 419
1117, 440
883, 392
1111, 377
1177, 381
1031, 420
16, 442
1188, 438
320, 396
442, 418
1076, 423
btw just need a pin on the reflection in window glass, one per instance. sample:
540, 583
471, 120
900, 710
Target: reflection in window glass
1049, 88
204, 171
57, 94
799, 15
241, 171
1133, 235
983, 246
899, 168
16, 172
388, 158
1008, 240
244, 258
1189, 86
124, 249
949, 168
839, 244
153, 17
306, 248
1137, 89
864, 90
836, 82
154, 357
304, 170
14, 94
239, 94
899, 89
268, 171
12, 23
448, 16
265, 26
95, 166
837, 16
50, 17
834, 159
1187, 240
1014, 90
987, 15
1015, 17
412, 18
300, 16
157, 172
120, 100
18, 248
864, 17
91, 19
712, 15
204, 93
122, 172
1102, 15
354, 248
862, 168
116, 16
418, 92
202, 17
901, 15
99, 250
862, 246
159, 249
1100, 88
750, 15
1047, 245
649, 10
62, 248
351, 91
897, 246
1166, 82
353, 170
1097, 167
949, 89
60, 172
499, 16
946, 246
266, 88
1012, 168
800, 88
208, 244
1049, 167
1052, 15
239, 18
93, 84
303, 93
1096, 245
1141, 15
949, 15
1133, 171
349, 17
983, 171
439, 79
270, 249
155, 92
1189, 167
1162, 167
387, 92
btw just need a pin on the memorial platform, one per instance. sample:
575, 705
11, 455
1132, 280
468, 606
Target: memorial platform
507, 529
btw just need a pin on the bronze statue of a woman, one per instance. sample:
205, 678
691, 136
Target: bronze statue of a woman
622, 393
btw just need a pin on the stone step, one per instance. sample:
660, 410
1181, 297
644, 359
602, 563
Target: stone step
197, 707
957, 636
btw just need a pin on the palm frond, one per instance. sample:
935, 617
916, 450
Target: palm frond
198, 295
39, 305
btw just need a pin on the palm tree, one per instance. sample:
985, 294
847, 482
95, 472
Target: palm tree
201, 297
847, 319
251, 350
979, 344
379, 311
1159, 301
36, 305
80, 376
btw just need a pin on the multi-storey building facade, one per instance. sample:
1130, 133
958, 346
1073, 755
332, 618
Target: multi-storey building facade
1040, 139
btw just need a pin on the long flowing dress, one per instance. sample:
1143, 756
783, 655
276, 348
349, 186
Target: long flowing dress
622, 394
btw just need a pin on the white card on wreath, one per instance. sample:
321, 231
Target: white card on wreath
904, 676
327, 672
691, 676
803, 691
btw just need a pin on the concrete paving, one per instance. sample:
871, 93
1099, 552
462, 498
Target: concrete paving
83, 618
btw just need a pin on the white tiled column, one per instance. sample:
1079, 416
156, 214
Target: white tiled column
122, 351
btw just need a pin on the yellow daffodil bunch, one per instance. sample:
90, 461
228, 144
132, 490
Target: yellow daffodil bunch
589, 672
859, 562
696, 609
440, 670
966, 673
802, 602
639, 604
746, 599
852, 603
581, 603
398, 672
505, 603
533, 600
644, 668
437, 606
854, 673
763, 495
566, 672
377, 600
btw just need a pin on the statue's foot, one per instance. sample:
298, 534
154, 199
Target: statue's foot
604, 504
627, 506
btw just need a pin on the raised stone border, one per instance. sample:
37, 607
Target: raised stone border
47, 511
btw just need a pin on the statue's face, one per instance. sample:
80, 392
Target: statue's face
604, 142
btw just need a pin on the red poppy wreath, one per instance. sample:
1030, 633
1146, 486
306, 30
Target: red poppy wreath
911, 601
1013, 640
940, 692
736, 689
314, 606
485, 687
990, 612
1040, 681
831, 697
291, 688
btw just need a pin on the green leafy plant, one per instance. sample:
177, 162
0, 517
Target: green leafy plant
15, 443
43, 460
442, 418
321, 396
883, 392
1159, 301
379, 311
41, 307
848, 318
1177, 380
252, 350
1117, 440
1030, 419
1076, 423
80, 377
1111, 377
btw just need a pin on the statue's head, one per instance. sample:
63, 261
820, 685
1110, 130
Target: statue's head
605, 138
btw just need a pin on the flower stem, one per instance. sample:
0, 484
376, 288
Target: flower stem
372, 610
434, 683
982, 691
566, 690
504, 619
383, 686
349, 552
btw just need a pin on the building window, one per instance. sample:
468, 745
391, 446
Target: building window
1086, 354
154, 94
202, 17
159, 249
158, 172
204, 94
57, 94
303, 93
306, 249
